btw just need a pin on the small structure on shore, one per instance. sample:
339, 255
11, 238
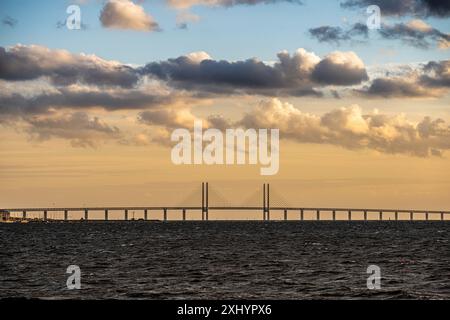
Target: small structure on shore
4, 215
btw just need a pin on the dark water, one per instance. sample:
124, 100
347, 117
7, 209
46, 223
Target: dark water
226, 260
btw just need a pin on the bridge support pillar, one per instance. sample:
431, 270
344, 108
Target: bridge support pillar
301, 215
264, 202
365, 215
349, 215
396, 216
106, 215
145, 214
318, 215
205, 200
268, 202
380, 215
66, 215
126, 215
442, 216
285, 215
165, 214
45, 215
86, 214
426, 216
184, 214
24, 214
334, 215
411, 216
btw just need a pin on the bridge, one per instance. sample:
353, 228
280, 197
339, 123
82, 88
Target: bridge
269, 203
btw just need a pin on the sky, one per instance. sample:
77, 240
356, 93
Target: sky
86, 115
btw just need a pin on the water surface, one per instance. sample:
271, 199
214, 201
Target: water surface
226, 260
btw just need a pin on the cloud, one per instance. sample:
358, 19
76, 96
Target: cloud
436, 74
430, 80
77, 127
350, 128
397, 87
162, 121
124, 14
9, 21
299, 74
184, 18
16, 105
63, 24
56, 79
62, 67
340, 68
171, 118
337, 35
185, 4
416, 33
346, 127
423, 8
295, 75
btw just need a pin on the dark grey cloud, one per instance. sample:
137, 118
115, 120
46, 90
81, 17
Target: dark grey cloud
395, 88
296, 74
436, 74
416, 33
340, 70
9, 21
62, 68
430, 80
438, 8
299, 74
62, 80
337, 35
422, 8
222, 77
17, 105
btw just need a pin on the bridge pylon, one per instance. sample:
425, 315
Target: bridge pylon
205, 201
266, 201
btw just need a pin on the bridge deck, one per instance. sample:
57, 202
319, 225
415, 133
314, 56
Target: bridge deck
266, 207
205, 212
230, 208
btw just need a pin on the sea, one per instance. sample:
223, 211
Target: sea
226, 260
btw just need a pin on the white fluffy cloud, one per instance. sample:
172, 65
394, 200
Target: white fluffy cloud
347, 127
124, 14
350, 128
